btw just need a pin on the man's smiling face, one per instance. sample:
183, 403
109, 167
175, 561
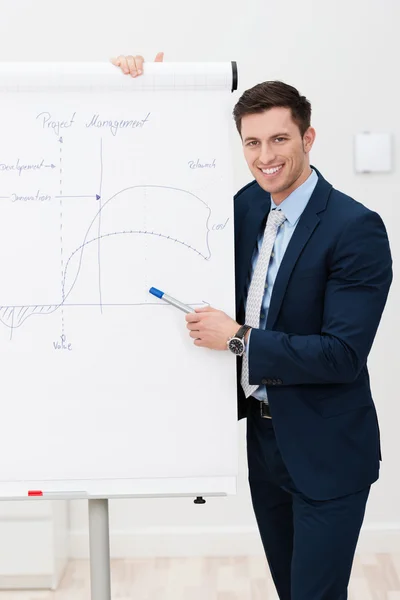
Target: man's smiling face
275, 151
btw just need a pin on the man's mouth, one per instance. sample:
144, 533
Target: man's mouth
272, 171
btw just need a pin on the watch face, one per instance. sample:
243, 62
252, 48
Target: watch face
236, 346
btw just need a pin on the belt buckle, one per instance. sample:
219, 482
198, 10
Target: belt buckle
265, 411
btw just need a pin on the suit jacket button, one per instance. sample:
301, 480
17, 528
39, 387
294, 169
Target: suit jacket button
264, 381
279, 381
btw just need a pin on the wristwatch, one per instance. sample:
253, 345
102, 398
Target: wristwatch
236, 344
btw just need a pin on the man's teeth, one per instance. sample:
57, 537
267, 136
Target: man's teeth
271, 171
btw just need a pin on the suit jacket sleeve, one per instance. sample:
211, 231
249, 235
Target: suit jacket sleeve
356, 292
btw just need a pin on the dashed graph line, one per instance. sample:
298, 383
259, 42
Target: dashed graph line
61, 241
167, 237
50, 308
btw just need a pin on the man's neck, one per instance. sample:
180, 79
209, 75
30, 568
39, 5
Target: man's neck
281, 196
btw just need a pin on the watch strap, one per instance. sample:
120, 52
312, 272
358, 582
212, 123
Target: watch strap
242, 331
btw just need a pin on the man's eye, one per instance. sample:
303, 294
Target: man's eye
252, 143
280, 139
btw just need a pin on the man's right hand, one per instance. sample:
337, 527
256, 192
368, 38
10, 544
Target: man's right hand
133, 65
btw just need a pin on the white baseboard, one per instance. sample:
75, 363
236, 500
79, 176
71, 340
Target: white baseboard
379, 538
213, 541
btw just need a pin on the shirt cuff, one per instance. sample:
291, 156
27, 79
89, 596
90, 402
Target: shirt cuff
247, 343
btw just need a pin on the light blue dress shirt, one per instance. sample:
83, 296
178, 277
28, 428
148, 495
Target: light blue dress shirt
293, 207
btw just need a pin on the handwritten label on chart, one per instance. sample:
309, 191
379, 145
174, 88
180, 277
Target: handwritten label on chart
24, 168
196, 164
38, 197
62, 344
97, 121
56, 125
114, 125
219, 226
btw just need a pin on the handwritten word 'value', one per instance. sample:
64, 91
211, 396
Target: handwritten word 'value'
62, 344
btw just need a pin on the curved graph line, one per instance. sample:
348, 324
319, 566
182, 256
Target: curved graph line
112, 198
167, 237
21, 318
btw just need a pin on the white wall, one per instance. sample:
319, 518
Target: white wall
343, 56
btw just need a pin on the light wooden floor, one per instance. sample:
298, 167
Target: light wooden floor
374, 577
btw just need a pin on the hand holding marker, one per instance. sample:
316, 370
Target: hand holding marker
170, 300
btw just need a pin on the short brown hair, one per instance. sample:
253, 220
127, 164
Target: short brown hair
270, 94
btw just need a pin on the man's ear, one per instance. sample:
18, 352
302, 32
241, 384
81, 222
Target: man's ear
308, 139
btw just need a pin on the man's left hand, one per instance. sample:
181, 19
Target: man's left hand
211, 328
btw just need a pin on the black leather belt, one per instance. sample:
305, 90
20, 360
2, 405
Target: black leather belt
265, 411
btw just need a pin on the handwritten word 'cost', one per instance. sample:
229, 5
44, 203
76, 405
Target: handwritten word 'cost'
219, 226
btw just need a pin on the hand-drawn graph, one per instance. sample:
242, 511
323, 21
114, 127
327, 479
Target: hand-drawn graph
63, 248
103, 229
125, 222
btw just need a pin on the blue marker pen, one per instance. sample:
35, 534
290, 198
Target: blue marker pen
170, 300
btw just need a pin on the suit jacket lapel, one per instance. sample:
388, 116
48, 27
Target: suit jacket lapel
301, 235
259, 207
305, 227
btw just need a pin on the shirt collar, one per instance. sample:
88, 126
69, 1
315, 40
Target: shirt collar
294, 205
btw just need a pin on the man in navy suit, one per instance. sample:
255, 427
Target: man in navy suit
312, 430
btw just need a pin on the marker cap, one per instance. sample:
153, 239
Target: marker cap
156, 292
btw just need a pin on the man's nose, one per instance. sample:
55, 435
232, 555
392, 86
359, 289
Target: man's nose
267, 154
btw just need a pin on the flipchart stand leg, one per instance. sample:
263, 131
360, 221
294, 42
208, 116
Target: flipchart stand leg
99, 534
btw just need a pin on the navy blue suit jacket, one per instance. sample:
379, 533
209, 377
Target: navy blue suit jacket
325, 308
